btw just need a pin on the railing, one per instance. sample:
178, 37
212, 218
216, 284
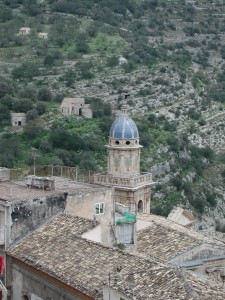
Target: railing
50, 170
2, 236
123, 181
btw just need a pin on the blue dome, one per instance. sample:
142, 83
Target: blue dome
124, 128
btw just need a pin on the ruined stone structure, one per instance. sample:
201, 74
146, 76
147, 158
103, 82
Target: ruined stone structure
43, 35
24, 30
18, 119
182, 216
132, 188
75, 106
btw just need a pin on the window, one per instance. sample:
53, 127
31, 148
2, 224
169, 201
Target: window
127, 233
99, 208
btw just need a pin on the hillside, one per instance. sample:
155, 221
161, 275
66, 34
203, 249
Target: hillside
167, 55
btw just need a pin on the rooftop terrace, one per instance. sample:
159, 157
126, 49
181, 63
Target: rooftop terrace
17, 190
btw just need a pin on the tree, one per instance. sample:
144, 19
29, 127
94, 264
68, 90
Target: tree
32, 115
31, 131
87, 161
49, 60
29, 92
22, 105
26, 70
69, 77
10, 150
5, 14
44, 94
64, 139
81, 44
41, 108
4, 115
7, 87
99, 107
113, 61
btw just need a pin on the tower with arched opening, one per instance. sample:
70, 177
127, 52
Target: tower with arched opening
132, 188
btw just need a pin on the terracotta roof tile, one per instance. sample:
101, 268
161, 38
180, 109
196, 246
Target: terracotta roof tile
164, 283
164, 239
58, 250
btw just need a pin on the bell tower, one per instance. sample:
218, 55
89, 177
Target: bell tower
132, 188
123, 148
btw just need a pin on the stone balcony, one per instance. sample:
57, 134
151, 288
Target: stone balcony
129, 182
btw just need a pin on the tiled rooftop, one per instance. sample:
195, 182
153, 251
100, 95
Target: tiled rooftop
164, 239
58, 249
165, 283
17, 191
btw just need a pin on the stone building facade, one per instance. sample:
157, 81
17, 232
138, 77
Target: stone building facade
24, 31
75, 106
18, 119
95, 204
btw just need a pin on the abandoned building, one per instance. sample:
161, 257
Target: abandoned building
75, 106
24, 31
99, 241
18, 119
182, 216
43, 35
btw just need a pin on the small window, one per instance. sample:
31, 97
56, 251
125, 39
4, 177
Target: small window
117, 142
99, 208
128, 143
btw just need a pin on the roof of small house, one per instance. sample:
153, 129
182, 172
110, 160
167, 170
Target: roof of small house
42, 34
58, 249
14, 114
71, 101
25, 28
178, 212
164, 283
165, 239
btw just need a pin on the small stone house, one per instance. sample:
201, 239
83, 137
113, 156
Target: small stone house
24, 30
43, 35
18, 119
75, 106
182, 216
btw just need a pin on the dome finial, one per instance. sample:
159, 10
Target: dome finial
124, 110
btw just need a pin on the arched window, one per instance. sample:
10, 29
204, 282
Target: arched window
140, 206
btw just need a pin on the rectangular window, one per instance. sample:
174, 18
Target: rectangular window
127, 233
99, 208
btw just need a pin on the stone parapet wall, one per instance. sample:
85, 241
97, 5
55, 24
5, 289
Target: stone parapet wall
136, 181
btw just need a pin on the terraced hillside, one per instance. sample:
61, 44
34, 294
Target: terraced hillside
167, 55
